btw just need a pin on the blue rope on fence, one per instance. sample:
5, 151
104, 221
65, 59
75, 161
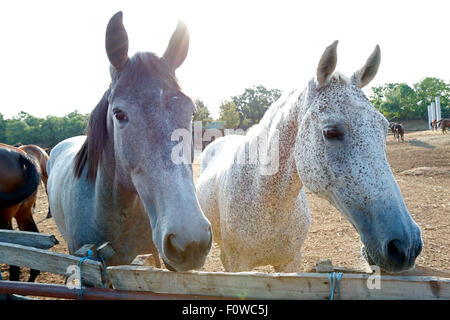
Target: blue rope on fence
334, 280
90, 257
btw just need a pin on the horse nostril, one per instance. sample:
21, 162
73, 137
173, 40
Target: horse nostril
210, 241
171, 250
418, 249
395, 252
205, 246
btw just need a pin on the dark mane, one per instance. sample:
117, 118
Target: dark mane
142, 65
92, 148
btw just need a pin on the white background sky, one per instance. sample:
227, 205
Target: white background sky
53, 61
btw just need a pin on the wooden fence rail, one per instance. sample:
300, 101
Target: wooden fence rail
27, 249
54, 262
276, 286
27, 238
61, 291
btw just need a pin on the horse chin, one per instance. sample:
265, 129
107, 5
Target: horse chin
183, 268
366, 256
168, 266
383, 267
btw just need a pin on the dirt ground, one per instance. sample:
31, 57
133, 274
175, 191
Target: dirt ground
421, 166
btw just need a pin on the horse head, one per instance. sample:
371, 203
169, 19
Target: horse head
341, 156
136, 118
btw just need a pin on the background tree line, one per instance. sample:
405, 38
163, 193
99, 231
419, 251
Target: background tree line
401, 102
397, 101
45, 132
241, 111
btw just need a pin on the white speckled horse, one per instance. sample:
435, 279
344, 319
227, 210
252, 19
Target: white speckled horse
119, 184
328, 138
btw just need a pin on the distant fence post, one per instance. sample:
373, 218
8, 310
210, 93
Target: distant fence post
433, 111
438, 108
429, 117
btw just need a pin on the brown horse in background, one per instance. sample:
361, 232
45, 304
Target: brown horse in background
41, 157
444, 124
434, 125
398, 130
20, 177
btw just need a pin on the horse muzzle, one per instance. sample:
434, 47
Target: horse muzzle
182, 255
395, 255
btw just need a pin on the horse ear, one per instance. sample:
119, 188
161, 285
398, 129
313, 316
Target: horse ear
327, 64
178, 46
116, 42
364, 75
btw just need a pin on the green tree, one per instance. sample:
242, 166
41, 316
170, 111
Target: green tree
74, 124
253, 103
426, 91
52, 130
202, 114
400, 101
2, 129
45, 132
379, 93
16, 131
229, 114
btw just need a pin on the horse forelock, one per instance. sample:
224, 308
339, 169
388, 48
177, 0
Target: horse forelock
145, 71
143, 66
341, 78
340, 92
303, 98
337, 78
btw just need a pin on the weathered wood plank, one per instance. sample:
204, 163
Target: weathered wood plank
422, 271
83, 251
106, 250
148, 260
27, 238
54, 262
326, 266
275, 286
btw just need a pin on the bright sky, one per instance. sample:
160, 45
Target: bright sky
53, 59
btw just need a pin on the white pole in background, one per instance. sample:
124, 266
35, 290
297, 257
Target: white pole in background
438, 108
433, 111
429, 116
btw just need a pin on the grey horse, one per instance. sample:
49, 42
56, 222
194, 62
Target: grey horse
328, 138
119, 183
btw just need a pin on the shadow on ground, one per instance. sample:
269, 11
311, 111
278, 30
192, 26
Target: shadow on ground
418, 143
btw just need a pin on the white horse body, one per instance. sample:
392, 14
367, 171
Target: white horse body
257, 219
328, 138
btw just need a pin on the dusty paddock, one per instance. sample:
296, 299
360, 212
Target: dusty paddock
421, 166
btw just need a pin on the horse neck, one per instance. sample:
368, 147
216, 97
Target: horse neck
114, 199
280, 127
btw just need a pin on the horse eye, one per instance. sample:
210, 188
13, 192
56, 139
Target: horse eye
120, 115
332, 133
